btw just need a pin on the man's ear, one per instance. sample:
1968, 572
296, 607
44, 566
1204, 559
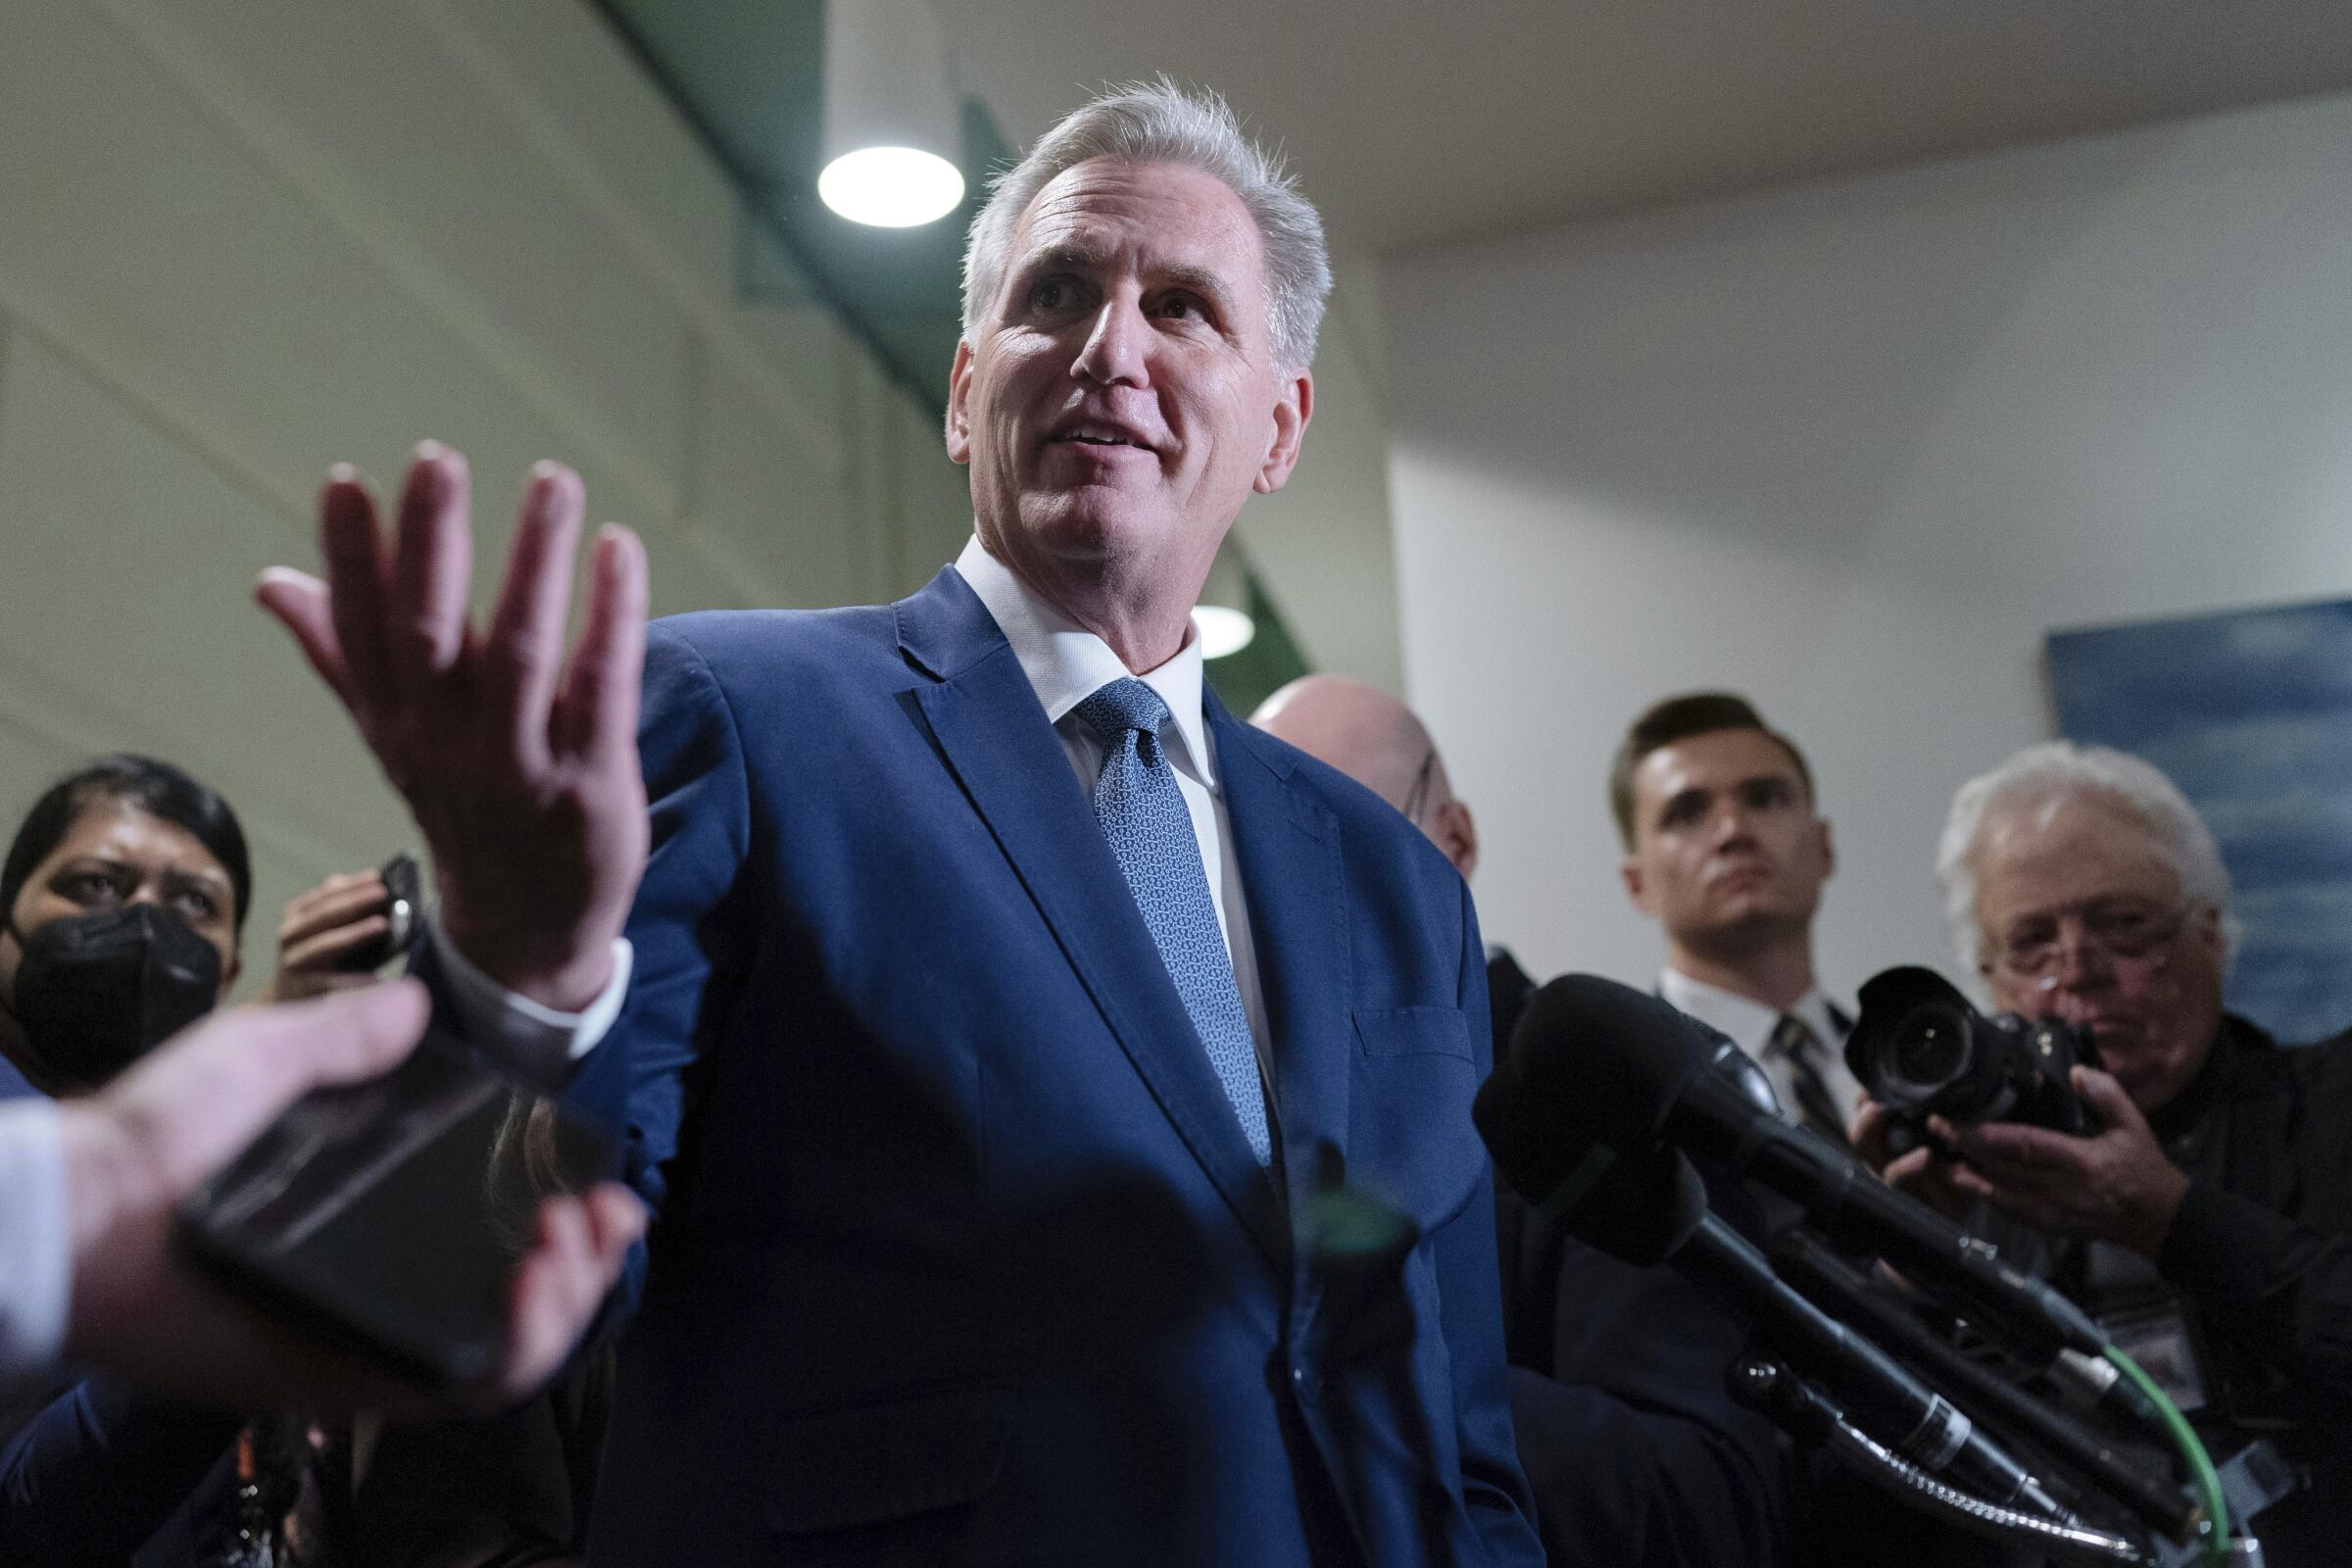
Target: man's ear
1457, 835
1636, 887
1829, 850
1291, 413
960, 414
236, 967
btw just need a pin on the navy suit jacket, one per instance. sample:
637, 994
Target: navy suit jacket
962, 1255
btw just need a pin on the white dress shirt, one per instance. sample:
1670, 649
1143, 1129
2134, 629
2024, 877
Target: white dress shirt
1749, 1024
36, 1244
1065, 664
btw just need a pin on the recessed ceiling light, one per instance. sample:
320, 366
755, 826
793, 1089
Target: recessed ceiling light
891, 187
1223, 631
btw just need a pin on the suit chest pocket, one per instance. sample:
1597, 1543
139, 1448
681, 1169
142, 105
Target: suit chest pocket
1411, 1146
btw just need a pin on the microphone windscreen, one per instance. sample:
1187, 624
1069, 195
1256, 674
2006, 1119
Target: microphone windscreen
1592, 1062
1643, 1207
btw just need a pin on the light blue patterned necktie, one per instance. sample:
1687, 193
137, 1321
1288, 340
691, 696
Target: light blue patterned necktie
1151, 831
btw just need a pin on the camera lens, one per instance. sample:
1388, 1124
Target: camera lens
1929, 1048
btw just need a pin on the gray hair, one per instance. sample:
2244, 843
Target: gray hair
2044, 773
1158, 122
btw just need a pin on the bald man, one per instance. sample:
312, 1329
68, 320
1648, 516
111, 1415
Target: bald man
1632, 1445
1375, 740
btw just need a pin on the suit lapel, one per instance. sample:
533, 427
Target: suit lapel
1293, 877
994, 736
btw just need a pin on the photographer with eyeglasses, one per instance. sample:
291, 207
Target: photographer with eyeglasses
2206, 1218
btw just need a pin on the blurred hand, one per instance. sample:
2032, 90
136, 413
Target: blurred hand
134, 1151
323, 927
2115, 1185
1924, 1173
522, 771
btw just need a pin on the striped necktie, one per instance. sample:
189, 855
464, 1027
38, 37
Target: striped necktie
1795, 1042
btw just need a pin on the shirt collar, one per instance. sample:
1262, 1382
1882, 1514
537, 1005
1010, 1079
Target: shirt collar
1066, 663
1747, 1022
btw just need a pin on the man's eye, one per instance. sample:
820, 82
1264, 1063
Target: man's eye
1050, 294
198, 904
1183, 308
2027, 941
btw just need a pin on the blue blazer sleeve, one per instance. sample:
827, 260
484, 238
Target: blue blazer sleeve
698, 795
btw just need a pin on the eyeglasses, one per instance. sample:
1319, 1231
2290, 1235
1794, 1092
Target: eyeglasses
2124, 929
1418, 796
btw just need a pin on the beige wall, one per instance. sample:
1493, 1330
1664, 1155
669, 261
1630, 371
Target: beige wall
1853, 449
242, 239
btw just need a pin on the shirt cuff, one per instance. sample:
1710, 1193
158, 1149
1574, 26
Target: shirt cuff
526, 1034
36, 1240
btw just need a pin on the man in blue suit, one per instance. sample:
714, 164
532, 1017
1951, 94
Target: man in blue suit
1054, 1094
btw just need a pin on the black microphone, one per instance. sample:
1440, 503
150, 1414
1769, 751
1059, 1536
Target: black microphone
1650, 1205
1858, 1297
1639, 1207
1883, 1399
1595, 1063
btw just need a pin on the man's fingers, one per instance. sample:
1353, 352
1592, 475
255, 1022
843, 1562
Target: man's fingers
204, 1094
355, 584
1906, 1171
581, 1245
2106, 1098
617, 1218
328, 946
329, 906
298, 602
524, 649
2014, 1144
598, 709
431, 562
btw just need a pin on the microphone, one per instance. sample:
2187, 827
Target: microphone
1856, 1297
1650, 1205
1882, 1397
1595, 1063
1639, 1207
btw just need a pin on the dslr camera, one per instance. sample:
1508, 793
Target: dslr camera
1922, 1051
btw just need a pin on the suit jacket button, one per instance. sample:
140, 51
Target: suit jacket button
1305, 1380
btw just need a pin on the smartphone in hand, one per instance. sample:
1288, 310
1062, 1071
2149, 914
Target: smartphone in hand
389, 1216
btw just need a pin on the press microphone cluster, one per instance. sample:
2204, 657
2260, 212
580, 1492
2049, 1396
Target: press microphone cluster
1593, 1116
1607, 1067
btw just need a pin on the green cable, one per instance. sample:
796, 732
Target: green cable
2200, 1464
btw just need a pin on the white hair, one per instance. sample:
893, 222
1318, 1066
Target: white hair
1159, 122
2047, 772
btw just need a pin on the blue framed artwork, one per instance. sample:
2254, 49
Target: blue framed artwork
2251, 713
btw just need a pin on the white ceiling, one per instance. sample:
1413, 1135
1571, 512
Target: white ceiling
1424, 121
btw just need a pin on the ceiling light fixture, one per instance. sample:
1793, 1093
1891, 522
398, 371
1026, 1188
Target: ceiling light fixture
891, 128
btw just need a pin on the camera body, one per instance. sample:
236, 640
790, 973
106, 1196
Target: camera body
1923, 1051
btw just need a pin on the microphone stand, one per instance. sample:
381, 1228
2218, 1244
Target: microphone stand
1765, 1385
1840, 1288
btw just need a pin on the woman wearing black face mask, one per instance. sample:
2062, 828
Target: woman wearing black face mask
120, 905
122, 902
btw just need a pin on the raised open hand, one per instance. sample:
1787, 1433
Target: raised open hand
520, 771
